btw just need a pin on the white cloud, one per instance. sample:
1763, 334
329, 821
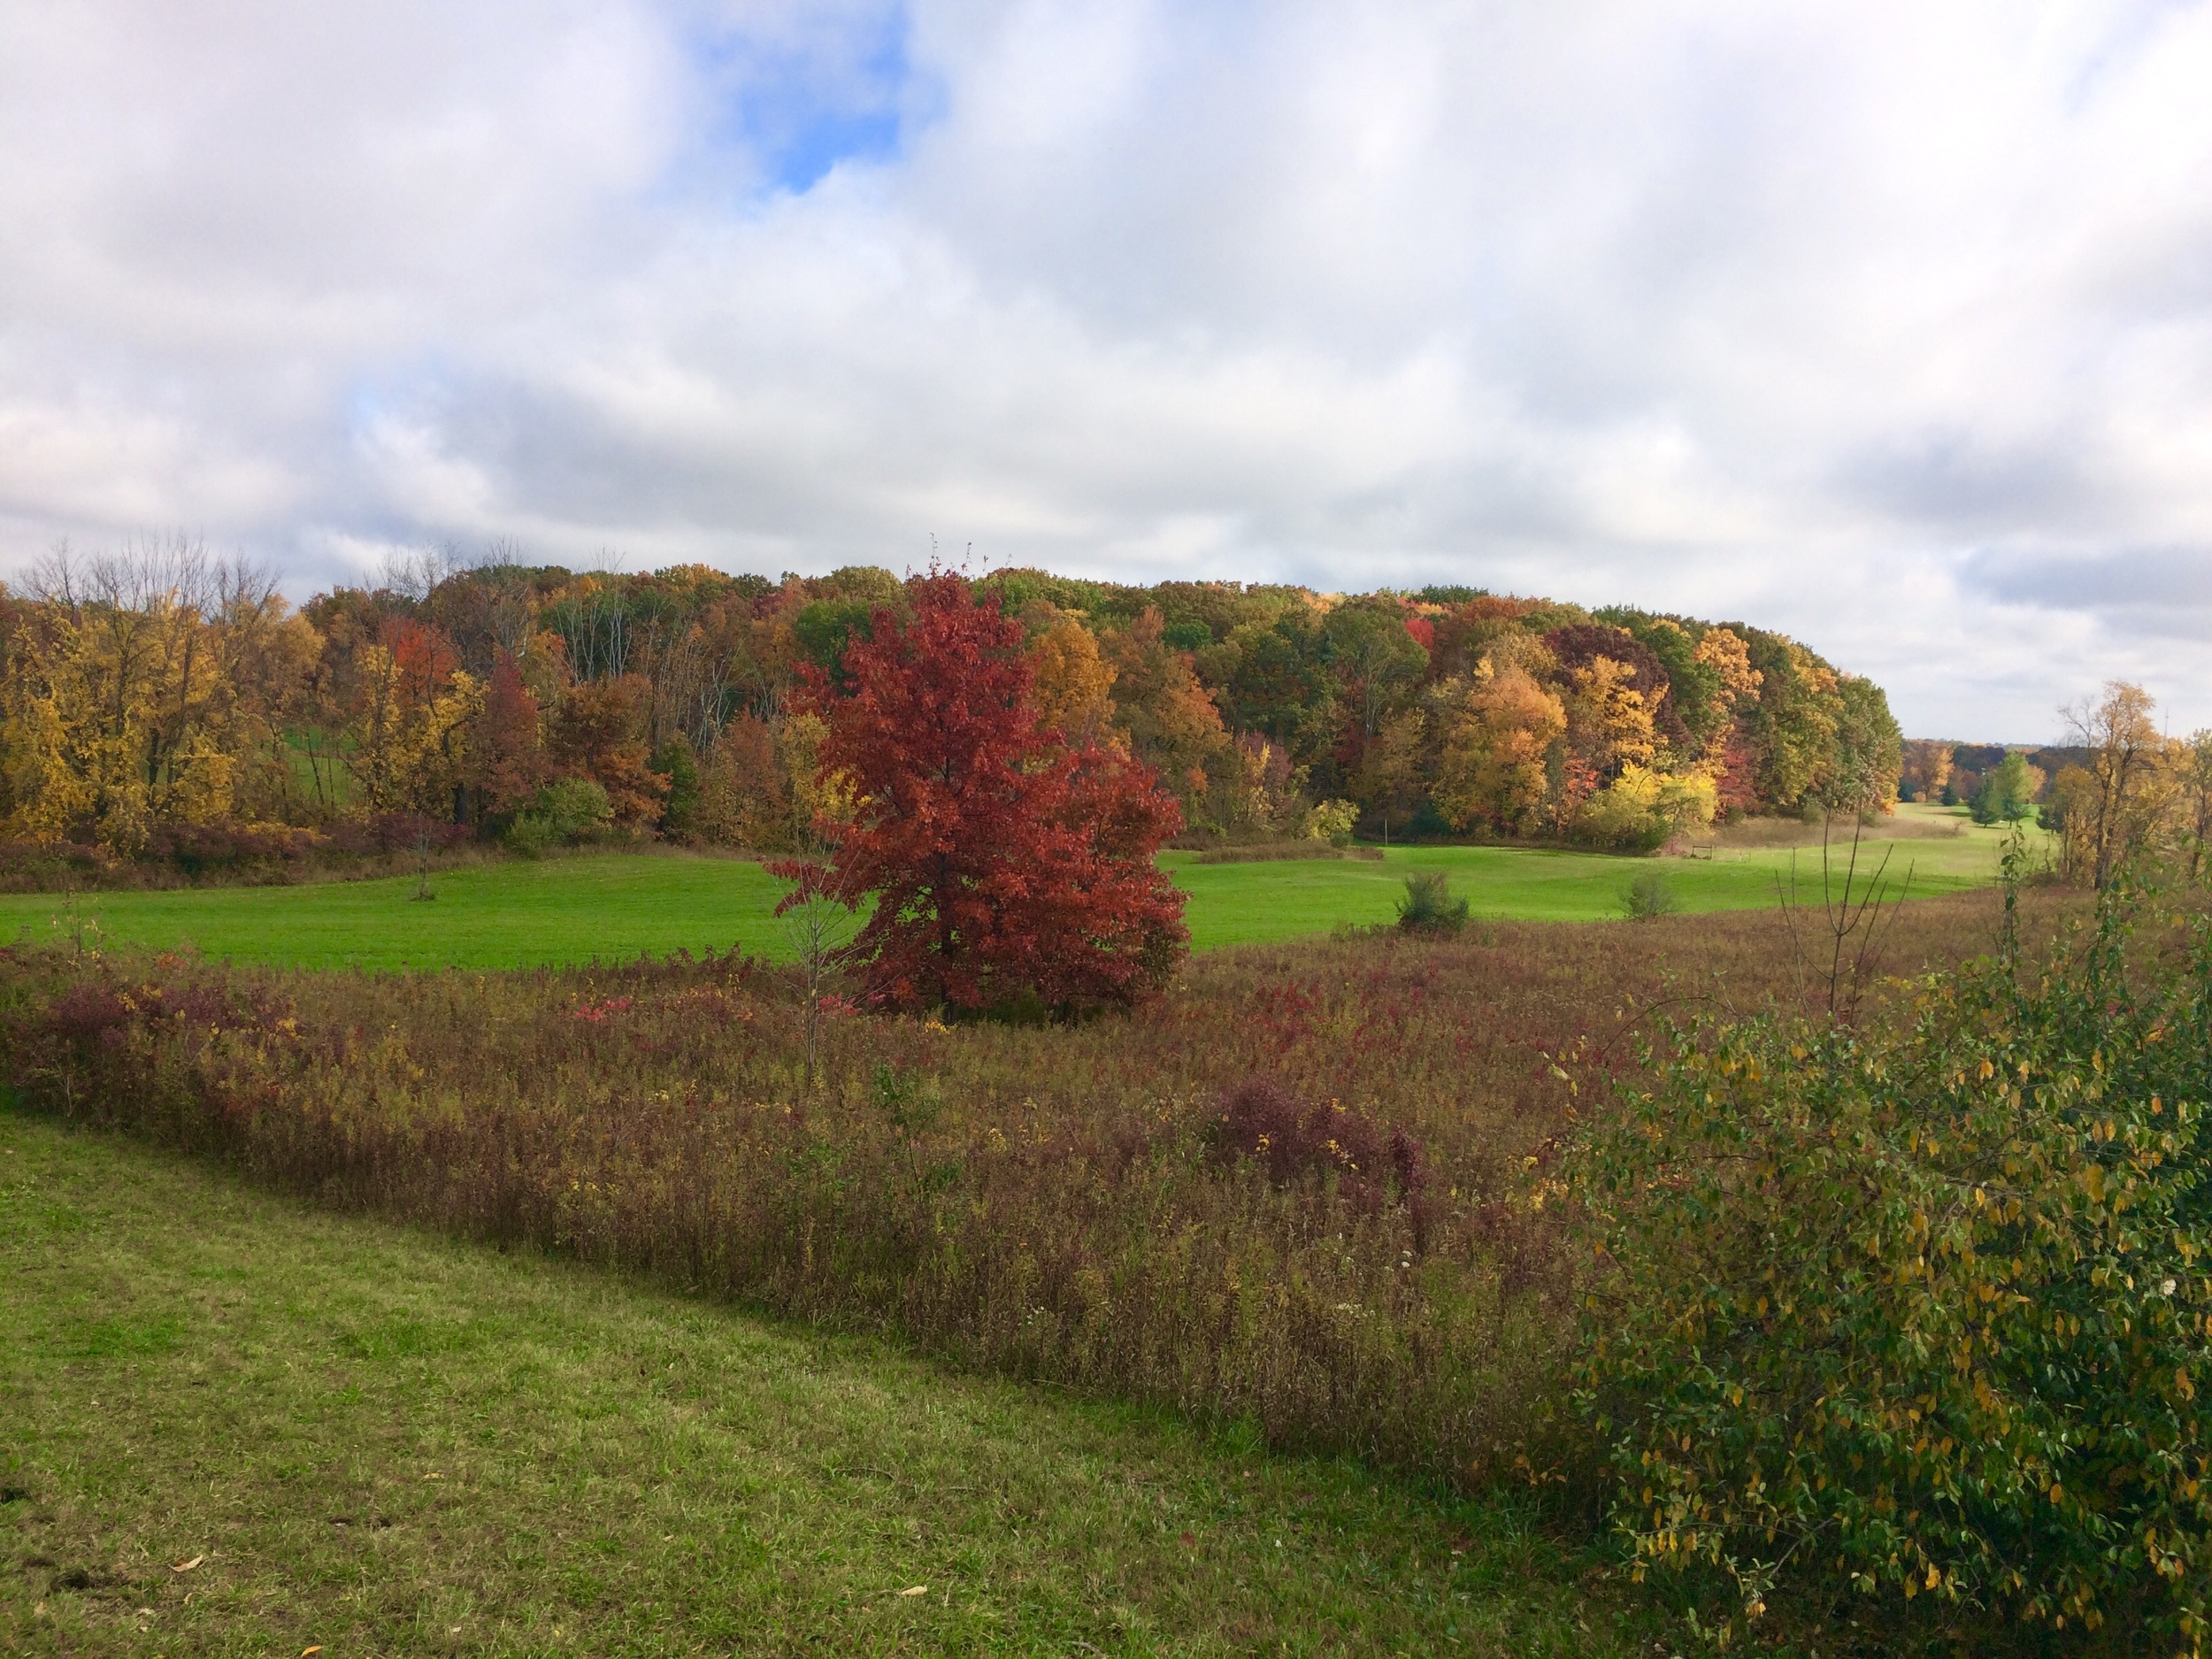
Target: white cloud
1888, 325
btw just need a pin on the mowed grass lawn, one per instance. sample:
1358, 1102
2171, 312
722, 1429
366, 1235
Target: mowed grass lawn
229, 1425
617, 907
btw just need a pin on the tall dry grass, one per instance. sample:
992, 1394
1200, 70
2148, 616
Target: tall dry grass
1116, 1207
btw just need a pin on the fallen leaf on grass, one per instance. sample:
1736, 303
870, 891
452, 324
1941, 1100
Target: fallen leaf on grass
919, 1589
186, 1566
317, 1647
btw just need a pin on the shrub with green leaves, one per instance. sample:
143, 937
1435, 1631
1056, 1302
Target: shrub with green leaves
1429, 907
1650, 895
564, 812
1920, 1315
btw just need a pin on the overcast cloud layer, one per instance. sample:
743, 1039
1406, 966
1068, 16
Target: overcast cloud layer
1887, 325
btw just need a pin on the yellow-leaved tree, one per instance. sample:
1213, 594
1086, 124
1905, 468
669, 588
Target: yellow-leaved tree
2110, 811
1494, 765
1074, 682
145, 687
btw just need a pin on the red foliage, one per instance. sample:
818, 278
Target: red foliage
396, 833
1004, 863
508, 750
1737, 774
196, 847
424, 655
1261, 1119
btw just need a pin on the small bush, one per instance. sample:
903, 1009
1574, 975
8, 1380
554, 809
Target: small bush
1273, 852
197, 847
42, 866
1429, 907
397, 833
1330, 821
907, 1096
530, 834
1650, 895
1262, 1121
563, 813
1923, 1315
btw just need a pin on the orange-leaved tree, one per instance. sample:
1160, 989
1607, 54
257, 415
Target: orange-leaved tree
1007, 861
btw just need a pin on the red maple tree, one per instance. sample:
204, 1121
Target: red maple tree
508, 755
1004, 861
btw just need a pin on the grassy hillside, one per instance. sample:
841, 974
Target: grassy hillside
615, 907
227, 1426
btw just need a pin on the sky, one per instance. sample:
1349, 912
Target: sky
1888, 325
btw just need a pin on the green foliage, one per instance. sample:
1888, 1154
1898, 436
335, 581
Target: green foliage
1922, 1312
863, 584
1281, 685
1377, 658
2008, 792
906, 1096
1429, 907
1190, 636
1648, 896
674, 761
563, 813
1014, 588
1641, 810
1220, 607
1861, 769
1694, 687
828, 626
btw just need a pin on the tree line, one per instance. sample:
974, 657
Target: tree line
2120, 791
156, 692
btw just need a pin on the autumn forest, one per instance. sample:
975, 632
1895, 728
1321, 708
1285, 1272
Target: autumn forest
158, 699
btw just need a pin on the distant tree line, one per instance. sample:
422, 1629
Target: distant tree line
156, 693
2121, 791
1945, 774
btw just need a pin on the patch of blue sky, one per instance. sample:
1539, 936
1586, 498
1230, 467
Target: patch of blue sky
840, 88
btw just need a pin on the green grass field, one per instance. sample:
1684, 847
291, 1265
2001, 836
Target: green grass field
616, 908
232, 1426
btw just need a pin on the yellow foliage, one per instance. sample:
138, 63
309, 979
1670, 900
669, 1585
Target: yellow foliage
1073, 681
409, 749
1494, 748
1608, 718
121, 708
1646, 804
816, 797
1725, 652
1395, 764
